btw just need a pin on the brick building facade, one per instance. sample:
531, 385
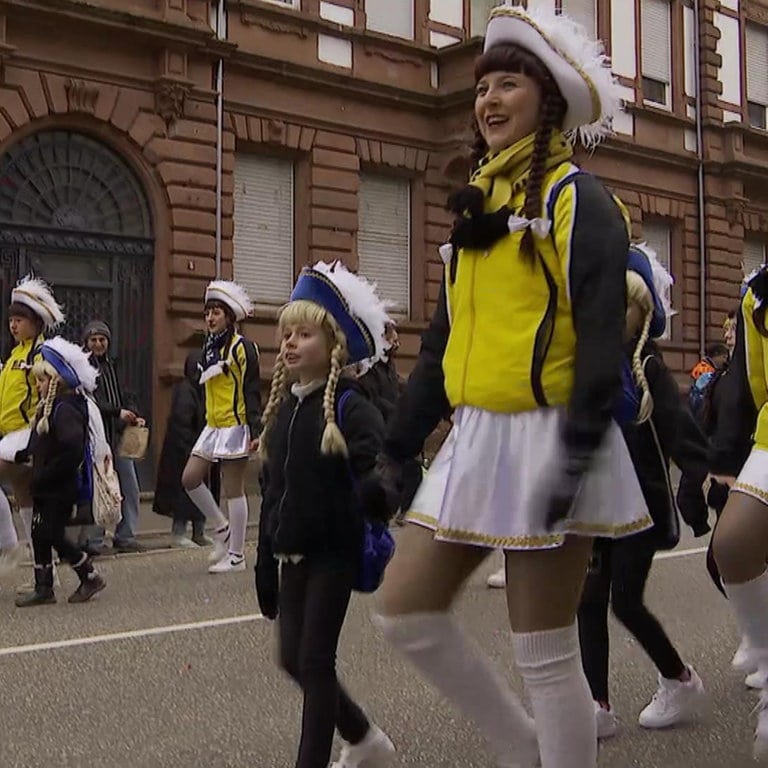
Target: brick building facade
343, 125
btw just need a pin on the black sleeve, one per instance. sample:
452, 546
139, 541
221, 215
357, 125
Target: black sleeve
424, 402
252, 388
736, 415
184, 414
598, 263
264, 541
69, 428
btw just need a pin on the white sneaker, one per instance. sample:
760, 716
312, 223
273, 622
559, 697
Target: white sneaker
760, 748
607, 725
220, 546
498, 579
674, 702
757, 680
11, 559
376, 750
183, 542
229, 564
742, 660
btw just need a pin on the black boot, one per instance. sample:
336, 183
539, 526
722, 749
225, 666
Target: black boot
43, 594
90, 582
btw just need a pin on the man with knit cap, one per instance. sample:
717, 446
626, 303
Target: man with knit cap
117, 410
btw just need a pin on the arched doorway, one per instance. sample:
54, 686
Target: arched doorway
73, 212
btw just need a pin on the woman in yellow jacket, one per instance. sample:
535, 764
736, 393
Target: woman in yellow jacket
230, 375
525, 348
33, 309
740, 540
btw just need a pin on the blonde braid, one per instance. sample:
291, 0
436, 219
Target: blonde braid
333, 441
277, 391
43, 424
646, 401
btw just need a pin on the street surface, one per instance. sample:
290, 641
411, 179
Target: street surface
159, 676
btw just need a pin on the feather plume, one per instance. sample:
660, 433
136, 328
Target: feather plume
662, 280
78, 360
233, 295
38, 296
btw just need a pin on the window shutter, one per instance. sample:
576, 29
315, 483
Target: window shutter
757, 64
384, 237
584, 12
479, 10
391, 17
754, 255
263, 237
656, 32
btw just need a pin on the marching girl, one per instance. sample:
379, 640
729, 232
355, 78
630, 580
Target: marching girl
320, 441
526, 346
33, 310
740, 539
57, 449
230, 374
662, 429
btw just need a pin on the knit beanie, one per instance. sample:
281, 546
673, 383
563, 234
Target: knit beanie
96, 328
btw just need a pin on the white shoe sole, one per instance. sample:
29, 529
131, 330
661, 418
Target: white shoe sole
227, 567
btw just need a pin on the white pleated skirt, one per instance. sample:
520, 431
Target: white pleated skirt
222, 443
14, 442
485, 482
753, 478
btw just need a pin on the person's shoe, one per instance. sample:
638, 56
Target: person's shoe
96, 550
89, 586
11, 559
376, 750
229, 564
756, 680
128, 546
183, 542
742, 660
607, 724
674, 702
498, 579
42, 594
202, 540
220, 545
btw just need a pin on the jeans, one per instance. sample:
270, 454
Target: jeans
314, 595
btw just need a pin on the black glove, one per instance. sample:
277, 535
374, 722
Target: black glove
267, 583
558, 490
22, 456
374, 502
389, 474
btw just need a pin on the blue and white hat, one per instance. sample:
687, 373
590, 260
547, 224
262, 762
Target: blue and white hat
644, 262
70, 363
352, 302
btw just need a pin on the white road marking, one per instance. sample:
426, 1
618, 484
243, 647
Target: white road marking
679, 553
16, 650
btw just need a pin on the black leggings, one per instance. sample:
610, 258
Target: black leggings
49, 526
314, 595
619, 570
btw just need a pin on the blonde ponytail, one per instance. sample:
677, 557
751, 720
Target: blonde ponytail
43, 425
333, 441
646, 401
277, 391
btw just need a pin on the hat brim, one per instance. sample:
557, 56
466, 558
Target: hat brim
217, 294
61, 366
578, 90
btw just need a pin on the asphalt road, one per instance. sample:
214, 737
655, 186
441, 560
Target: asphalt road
155, 677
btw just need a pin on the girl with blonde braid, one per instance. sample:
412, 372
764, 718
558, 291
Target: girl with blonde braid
658, 429
319, 444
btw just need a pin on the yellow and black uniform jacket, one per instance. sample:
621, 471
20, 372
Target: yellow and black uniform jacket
511, 336
233, 397
18, 392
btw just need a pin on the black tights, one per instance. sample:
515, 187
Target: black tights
619, 571
49, 525
314, 595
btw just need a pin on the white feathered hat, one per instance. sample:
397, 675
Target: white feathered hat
232, 295
70, 363
35, 293
577, 63
352, 302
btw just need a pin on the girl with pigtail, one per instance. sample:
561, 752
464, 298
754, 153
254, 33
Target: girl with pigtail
657, 428
319, 445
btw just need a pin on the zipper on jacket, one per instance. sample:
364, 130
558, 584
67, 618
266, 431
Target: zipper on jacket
285, 467
471, 328
543, 339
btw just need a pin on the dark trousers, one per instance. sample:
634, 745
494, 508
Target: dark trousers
314, 595
49, 525
619, 571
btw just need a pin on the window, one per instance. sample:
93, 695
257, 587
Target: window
263, 238
658, 235
656, 53
213, 14
384, 237
288, 3
754, 254
391, 17
583, 11
757, 75
479, 10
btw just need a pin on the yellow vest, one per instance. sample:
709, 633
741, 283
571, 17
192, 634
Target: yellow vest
512, 343
224, 400
756, 348
18, 392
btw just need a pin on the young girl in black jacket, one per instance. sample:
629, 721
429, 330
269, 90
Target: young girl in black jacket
664, 429
320, 441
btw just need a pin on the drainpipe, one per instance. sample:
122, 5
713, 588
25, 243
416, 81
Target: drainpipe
700, 183
220, 11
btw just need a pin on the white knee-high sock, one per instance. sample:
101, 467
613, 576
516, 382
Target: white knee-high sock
204, 501
26, 519
8, 537
435, 644
550, 663
238, 520
750, 604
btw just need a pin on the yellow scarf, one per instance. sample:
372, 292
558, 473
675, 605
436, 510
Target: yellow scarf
500, 175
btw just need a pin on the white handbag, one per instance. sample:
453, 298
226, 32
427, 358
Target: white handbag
107, 496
